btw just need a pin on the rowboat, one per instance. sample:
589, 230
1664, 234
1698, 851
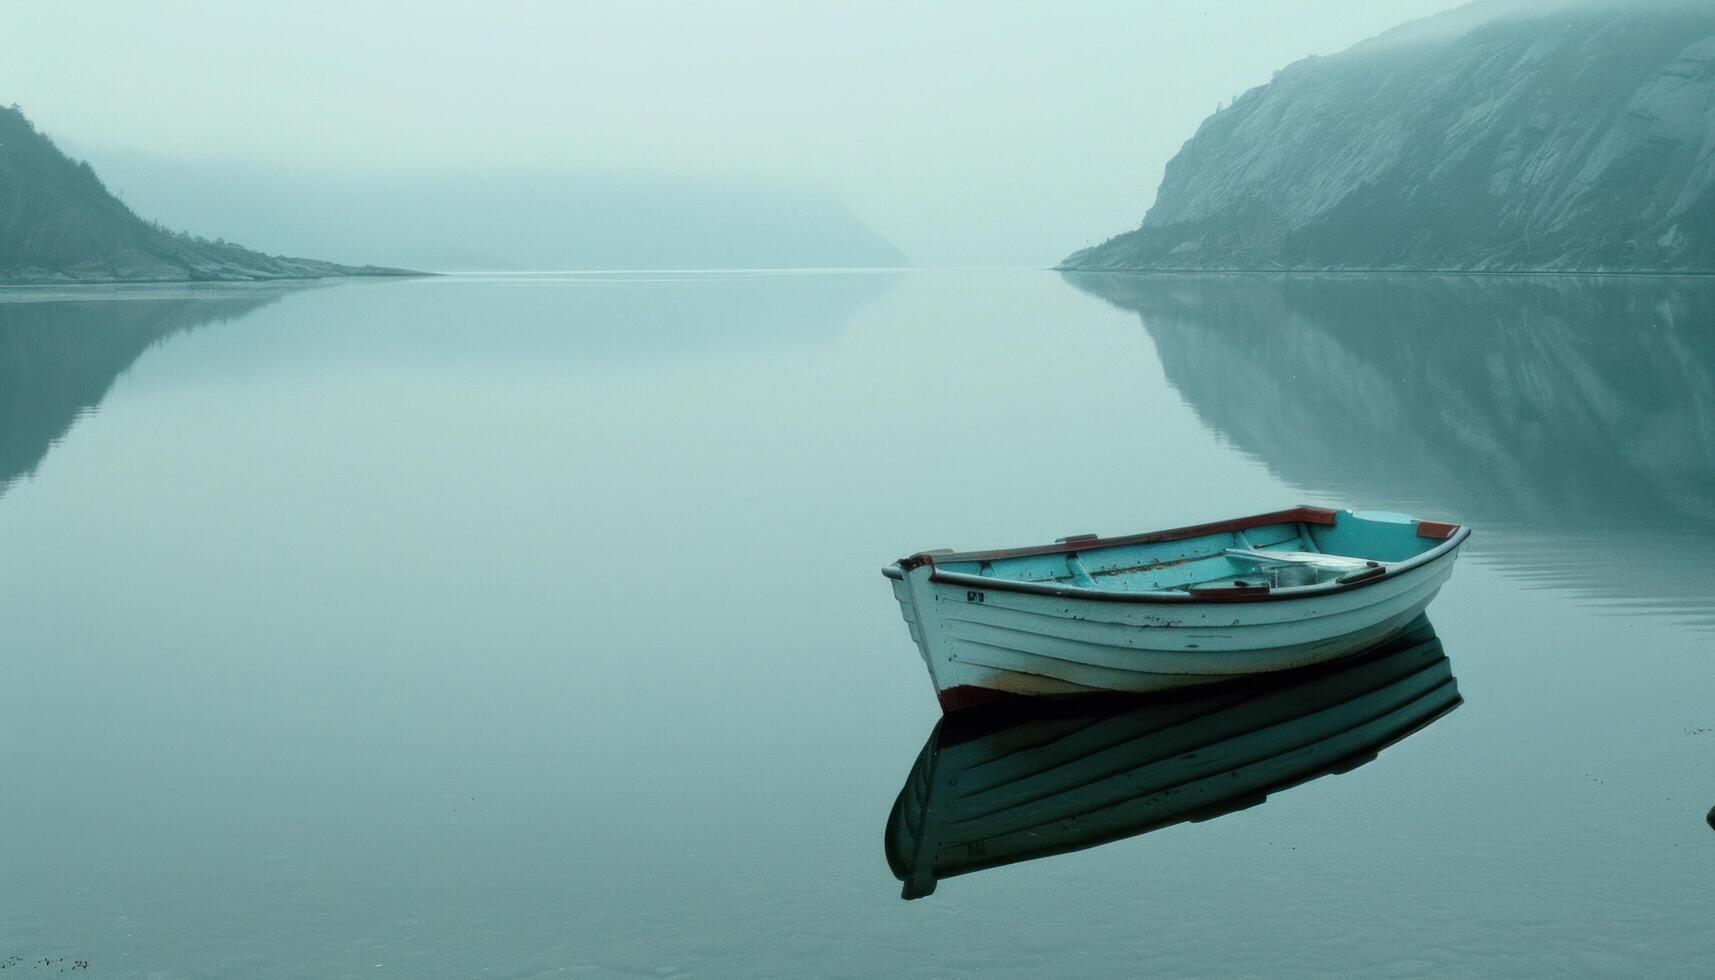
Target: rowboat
1016, 782
1168, 609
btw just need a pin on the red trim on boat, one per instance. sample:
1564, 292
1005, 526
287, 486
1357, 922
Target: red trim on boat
963, 696
1436, 529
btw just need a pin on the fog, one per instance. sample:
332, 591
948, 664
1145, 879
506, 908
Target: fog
965, 133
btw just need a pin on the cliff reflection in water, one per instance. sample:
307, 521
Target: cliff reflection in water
59, 356
1571, 420
61, 349
1006, 784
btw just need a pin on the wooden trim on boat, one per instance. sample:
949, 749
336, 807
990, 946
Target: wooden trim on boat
1435, 529
1308, 515
1368, 577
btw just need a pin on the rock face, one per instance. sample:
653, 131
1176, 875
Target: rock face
59, 224
1495, 137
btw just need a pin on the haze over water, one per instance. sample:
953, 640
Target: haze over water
533, 625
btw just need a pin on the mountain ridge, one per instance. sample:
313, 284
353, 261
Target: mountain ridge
507, 219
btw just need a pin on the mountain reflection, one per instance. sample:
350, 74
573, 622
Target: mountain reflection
59, 357
1008, 784
1570, 419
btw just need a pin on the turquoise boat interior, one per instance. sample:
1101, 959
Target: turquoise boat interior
1305, 546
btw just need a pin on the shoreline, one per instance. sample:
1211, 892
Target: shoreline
7, 282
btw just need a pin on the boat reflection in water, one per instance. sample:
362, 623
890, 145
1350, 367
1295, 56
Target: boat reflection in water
1010, 783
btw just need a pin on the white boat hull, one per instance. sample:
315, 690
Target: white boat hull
980, 642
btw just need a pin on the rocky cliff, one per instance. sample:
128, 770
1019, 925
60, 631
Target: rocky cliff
58, 223
1500, 136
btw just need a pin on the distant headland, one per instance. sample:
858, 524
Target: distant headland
59, 224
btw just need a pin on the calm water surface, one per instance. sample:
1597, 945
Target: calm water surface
533, 626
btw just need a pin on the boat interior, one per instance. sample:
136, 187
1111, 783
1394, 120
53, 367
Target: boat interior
1307, 547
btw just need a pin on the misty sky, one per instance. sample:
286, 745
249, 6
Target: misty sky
967, 133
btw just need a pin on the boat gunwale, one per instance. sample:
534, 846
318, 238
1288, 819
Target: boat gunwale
1390, 570
1292, 515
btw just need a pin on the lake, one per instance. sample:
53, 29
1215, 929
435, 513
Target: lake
528, 626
